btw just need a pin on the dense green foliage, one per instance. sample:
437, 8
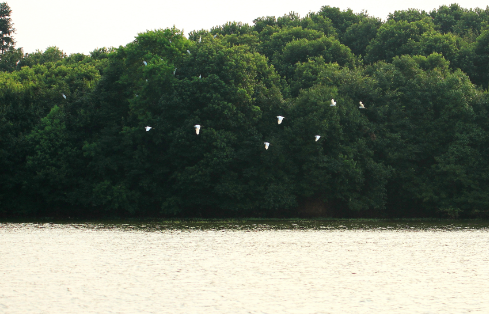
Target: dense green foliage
6, 28
73, 139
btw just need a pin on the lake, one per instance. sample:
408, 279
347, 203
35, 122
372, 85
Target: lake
245, 267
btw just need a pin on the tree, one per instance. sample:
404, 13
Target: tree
446, 44
232, 28
358, 36
11, 60
55, 164
276, 42
312, 21
467, 23
481, 62
339, 169
229, 90
300, 50
410, 15
73, 138
341, 19
28, 95
397, 38
320, 23
51, 54
6, 29
419, 103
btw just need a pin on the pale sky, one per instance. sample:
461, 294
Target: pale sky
82, 26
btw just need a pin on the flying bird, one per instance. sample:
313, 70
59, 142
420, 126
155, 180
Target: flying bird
148, 128
333, 103
317, 137
361, 106
266, 145
197, 128
280, 118
145, 63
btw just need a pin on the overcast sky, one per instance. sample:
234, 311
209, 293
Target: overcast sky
82, 26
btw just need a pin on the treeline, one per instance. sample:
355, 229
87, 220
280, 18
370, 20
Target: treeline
73, 141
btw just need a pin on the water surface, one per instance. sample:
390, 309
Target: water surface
245, 267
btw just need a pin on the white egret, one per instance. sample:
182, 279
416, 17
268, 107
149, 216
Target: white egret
188, 51
169, 40
174, 71
333, 103
148, 128
215, 35
197, 128
280, 118
266, 145
200, 76
200, 39
145, 63
317, 137
64, 96
361, 106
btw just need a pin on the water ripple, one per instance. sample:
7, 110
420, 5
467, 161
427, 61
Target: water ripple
244, 267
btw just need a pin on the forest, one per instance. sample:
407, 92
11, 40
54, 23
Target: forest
74, 142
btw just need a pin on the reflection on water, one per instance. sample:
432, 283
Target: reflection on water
245, 267
272, 224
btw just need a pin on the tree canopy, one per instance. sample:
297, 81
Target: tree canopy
74, 142
6, 28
